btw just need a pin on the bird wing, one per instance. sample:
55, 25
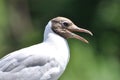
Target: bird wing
45, 72
25, 64
19, 62
20, 59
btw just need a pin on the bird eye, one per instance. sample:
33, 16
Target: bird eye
66, 24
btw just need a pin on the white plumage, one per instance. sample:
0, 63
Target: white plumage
44, 61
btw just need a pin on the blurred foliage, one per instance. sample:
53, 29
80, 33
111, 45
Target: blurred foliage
22, 24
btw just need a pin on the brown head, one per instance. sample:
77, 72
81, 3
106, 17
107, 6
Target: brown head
65, 28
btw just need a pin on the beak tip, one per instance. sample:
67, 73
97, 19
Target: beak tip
91, 33
86, 41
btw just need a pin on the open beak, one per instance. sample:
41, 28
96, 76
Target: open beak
74, 28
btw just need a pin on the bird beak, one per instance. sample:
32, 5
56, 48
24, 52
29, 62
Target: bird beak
74, 28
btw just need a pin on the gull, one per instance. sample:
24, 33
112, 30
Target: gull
46, 60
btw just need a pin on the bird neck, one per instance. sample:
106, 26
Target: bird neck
53, 38
59, 43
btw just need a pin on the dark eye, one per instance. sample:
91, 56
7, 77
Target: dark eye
66, 24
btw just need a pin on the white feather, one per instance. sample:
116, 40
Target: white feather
48, 59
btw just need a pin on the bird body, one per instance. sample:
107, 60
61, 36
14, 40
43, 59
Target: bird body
43, 61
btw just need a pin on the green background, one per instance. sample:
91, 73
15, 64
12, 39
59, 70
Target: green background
22, 24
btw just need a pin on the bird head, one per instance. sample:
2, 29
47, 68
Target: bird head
66, 28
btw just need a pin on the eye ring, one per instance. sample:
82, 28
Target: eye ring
66, 24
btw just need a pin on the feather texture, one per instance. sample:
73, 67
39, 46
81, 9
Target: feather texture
44, 61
